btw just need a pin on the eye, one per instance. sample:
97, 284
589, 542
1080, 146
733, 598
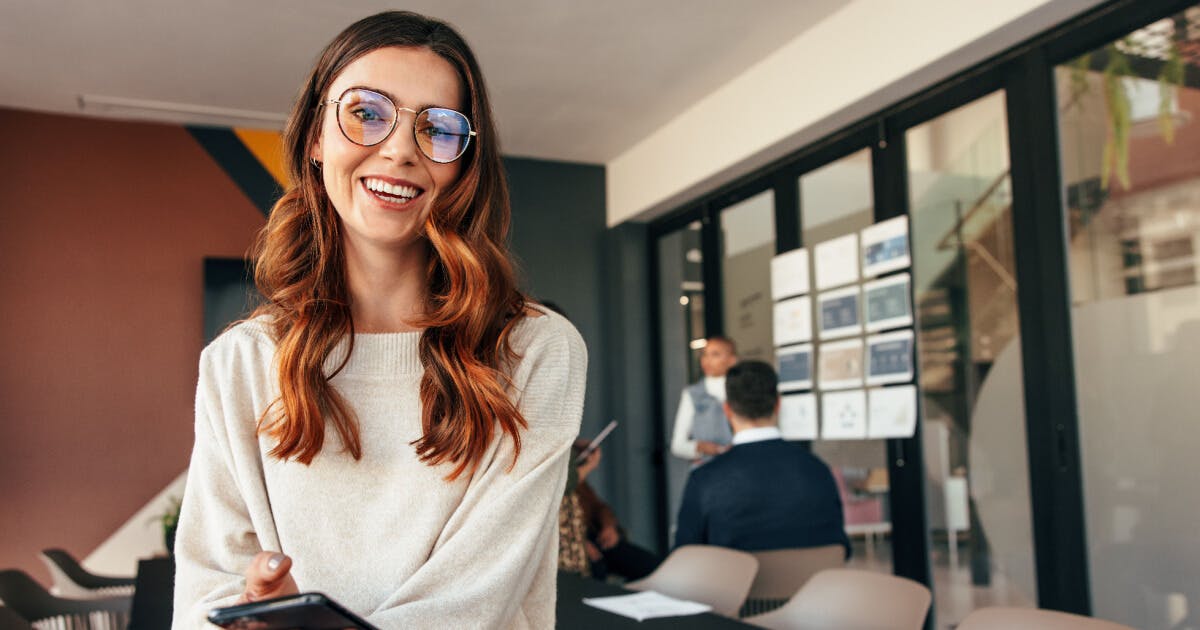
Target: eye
365, 114
429, 129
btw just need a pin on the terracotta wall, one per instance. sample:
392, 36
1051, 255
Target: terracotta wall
103, 229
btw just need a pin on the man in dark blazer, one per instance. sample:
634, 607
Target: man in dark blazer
764, 493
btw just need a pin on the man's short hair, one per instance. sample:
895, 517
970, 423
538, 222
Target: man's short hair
751, 389
722, 339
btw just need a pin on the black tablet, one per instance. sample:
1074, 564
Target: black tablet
306, 611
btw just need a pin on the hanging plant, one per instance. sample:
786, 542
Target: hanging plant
1119, 109
1120, 118
1170, 78
1080, 86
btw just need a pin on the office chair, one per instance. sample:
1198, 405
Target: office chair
74, 581
851, 598
32, 602
782, 572
716, 576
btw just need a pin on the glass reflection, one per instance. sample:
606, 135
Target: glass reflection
1129, 133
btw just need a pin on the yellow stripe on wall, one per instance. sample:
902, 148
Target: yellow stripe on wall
267, 147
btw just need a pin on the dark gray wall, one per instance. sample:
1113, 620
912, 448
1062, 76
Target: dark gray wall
598, 276
557, 240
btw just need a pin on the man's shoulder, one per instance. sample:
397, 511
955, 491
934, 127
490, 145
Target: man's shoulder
765, 452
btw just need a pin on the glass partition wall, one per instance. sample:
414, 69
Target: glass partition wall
1129, 138
1053, 201
837, 199
972, 399
747, 246
681, 331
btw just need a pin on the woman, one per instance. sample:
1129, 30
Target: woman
392, 428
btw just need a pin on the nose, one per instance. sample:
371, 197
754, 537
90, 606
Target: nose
401, 146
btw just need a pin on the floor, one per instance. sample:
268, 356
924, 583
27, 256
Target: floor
954, 596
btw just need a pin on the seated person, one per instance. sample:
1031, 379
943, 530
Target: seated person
573, 545
608, 550
764, 493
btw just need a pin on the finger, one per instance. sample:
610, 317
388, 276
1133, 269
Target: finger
267, 575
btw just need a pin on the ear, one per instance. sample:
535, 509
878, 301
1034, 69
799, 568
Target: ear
733, 424
317, 153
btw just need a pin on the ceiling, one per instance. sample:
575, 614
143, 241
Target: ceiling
570, 80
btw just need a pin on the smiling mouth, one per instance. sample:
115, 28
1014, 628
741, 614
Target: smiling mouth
391, 194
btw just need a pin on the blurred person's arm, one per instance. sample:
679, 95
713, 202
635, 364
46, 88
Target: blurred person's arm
682, 444
600, 517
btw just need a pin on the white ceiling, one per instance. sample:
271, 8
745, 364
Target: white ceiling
576, 80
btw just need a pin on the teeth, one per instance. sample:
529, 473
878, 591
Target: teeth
380, 186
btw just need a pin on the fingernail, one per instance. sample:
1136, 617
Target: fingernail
275, 561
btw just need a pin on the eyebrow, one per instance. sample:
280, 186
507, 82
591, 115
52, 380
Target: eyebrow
392, 97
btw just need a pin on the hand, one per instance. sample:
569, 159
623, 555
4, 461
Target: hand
608, 536
593, 553
268, 576
710, 448
589, 464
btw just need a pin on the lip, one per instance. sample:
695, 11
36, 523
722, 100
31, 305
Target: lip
394, 181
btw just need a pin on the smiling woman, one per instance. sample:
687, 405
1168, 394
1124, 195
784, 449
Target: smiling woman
396, 412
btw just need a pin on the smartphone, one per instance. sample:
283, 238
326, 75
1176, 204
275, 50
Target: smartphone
306, 611
595, 443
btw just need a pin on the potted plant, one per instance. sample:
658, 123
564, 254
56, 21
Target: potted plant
170, 521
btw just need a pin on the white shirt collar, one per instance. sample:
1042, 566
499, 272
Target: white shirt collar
715, 386
757, 434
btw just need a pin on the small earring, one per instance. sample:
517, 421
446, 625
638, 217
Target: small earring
315, 163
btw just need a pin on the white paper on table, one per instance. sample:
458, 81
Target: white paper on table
836, 261
793, 321
798, 417
647, 605
789, 274
885, 247
844, 415
892, 412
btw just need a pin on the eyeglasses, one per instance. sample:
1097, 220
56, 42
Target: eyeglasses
367, 118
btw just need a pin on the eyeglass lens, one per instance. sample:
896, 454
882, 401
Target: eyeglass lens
367, 118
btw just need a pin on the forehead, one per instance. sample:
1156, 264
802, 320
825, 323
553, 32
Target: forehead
717, 346
413, 77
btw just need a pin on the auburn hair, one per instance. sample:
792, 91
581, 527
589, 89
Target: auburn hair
473, 302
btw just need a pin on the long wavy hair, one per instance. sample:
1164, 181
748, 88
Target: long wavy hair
473, 302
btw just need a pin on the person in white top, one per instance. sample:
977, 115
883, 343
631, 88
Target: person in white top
701, 430
393, 426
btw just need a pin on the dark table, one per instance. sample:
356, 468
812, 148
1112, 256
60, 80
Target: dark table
573, 613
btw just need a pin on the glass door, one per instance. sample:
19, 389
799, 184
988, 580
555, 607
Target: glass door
1129, 138
835, 200
681, 335
747, 246
969, 355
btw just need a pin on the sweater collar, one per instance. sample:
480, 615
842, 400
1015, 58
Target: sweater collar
379, 353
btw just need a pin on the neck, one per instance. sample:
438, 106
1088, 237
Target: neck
387, 289
741, 424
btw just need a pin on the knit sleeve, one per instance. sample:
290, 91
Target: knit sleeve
682, 444
495, 564
222, 515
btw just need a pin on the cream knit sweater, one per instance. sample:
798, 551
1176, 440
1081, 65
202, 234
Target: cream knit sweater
386, 536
